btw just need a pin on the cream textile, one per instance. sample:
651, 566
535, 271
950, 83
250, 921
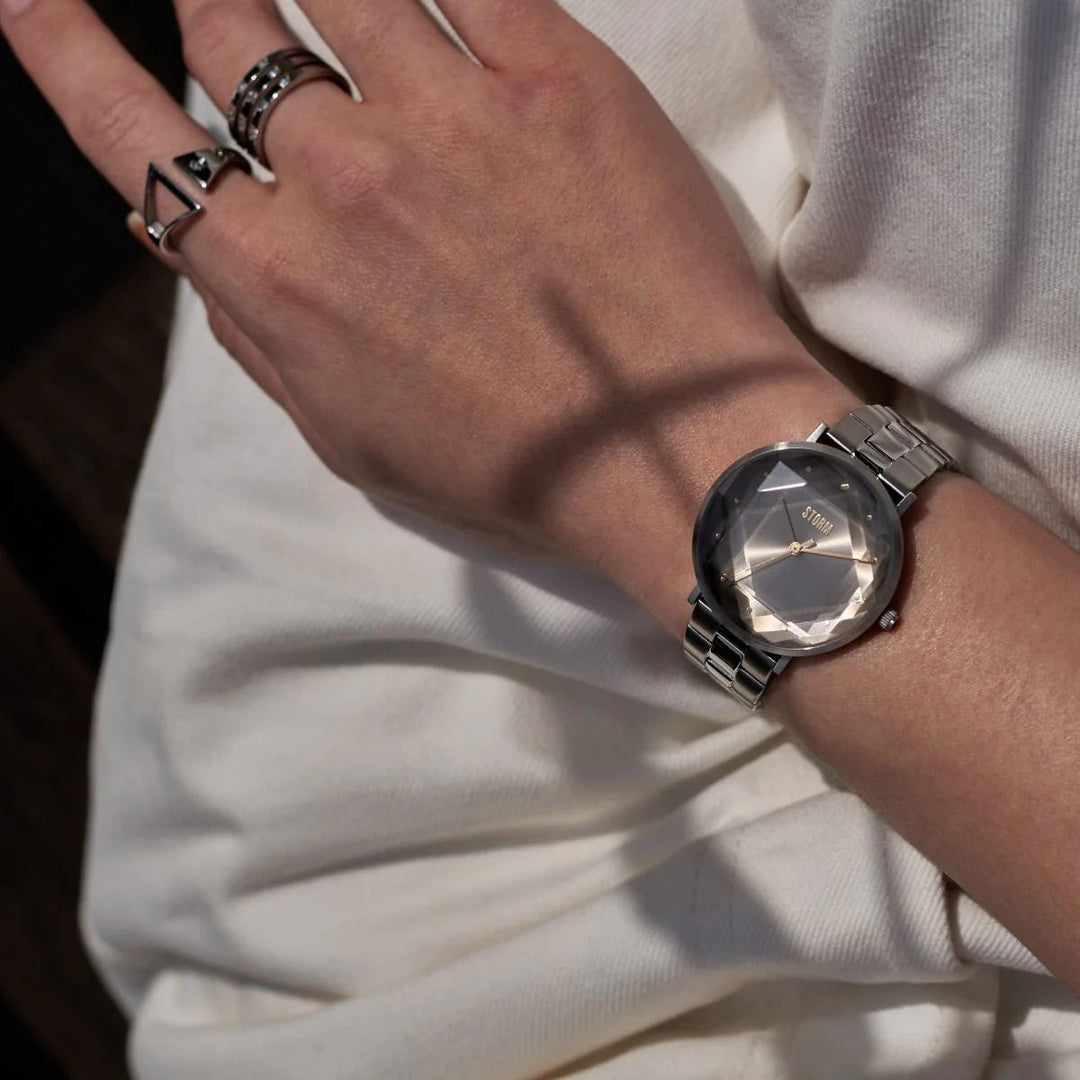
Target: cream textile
372, 802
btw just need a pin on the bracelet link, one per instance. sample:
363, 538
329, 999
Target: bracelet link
741, 670
902, 456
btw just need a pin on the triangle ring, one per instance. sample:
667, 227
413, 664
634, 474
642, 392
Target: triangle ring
204, 167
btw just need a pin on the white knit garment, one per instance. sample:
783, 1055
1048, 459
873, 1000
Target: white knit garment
370, 801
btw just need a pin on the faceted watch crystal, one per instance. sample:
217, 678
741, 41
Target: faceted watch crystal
798, 548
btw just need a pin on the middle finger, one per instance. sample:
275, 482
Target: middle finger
223, 39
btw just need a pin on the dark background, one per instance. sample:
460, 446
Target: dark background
86, 314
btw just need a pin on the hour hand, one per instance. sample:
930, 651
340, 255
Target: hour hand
796, 547
841, 555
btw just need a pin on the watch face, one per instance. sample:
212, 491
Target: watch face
798, 548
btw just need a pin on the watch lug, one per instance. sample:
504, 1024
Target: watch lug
695, 595
903, 497
781, 663
906, 502
816, 434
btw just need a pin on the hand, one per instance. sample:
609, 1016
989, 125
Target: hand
503, 293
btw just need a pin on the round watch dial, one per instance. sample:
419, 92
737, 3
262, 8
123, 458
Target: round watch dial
798, 548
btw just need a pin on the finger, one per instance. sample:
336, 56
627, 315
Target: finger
262, 372
510, 33
116, 112
233, 339
224, 39
137, 227
239, 346
222, 325
388, 46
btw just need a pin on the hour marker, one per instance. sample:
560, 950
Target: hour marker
845, 487
869, 517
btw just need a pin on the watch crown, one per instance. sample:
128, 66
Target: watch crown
889, 618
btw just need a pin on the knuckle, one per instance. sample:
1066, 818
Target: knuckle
369, 32
112, 116
284, 285
221, 326
454, 133
362, 176
549, 86
568, 89
268, 269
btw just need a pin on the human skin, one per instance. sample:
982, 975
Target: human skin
507, 295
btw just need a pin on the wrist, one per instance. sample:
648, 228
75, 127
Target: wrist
643, 524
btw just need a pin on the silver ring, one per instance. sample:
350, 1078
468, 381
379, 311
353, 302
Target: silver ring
263, 88
252, 77
264, 74
204, 167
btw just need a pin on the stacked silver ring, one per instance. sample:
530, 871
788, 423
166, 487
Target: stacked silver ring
261, 90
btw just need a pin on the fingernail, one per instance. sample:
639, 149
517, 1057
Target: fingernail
134, 222
15, 7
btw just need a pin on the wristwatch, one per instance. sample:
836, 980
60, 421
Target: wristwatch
798, 547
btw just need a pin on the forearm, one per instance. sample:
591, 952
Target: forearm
961, 726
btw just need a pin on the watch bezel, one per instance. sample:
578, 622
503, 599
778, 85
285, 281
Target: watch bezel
887, 588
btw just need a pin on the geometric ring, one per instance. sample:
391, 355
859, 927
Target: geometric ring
258, 73
272, 95
205, 168
265, 86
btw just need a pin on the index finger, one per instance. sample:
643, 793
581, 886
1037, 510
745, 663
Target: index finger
119, 115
